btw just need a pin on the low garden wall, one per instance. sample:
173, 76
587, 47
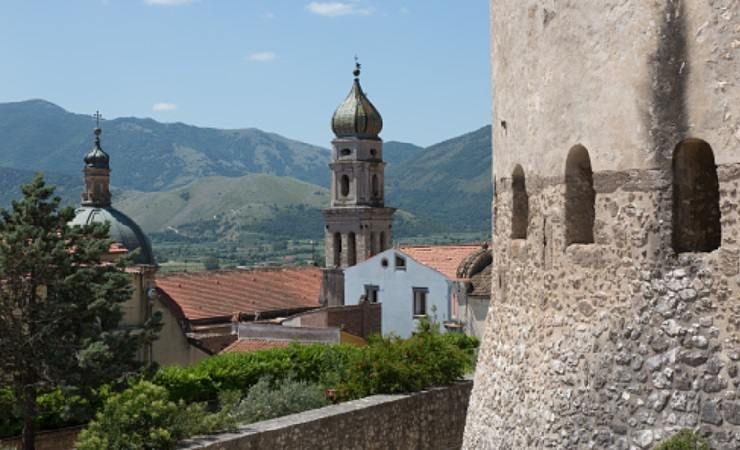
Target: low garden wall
431, 419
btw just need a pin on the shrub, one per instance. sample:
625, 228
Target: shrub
392, 365
266, 400
58, 408
143, 417
317, 363
684, 440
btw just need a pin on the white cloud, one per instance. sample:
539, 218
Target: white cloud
336, 9
168, 2
163, 107
262, 56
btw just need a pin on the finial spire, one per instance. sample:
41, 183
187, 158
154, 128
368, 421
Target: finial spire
98, 117
356, 72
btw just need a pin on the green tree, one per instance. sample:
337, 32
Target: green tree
60, 305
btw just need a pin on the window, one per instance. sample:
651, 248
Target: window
381, 239
400, 263
344, 185
351, 249
376, 186
337, 249
696, 215
373, 152
420, 301
519, 204
579, 197
371, 293
345, 152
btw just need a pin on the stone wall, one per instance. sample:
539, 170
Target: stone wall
63, 439
432, 419
615, 341
360, 320
613, 344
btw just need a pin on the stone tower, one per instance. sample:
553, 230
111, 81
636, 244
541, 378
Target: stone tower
358, 225
615, 312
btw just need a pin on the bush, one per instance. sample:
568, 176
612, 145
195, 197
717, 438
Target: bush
144, 417
57, 409
317, 363
266, 400
684, 440
392, 365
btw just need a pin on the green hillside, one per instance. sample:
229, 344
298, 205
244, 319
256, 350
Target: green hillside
67, 186
148, 155
228, 204
448, 183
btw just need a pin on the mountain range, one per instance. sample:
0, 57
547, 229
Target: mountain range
172, 178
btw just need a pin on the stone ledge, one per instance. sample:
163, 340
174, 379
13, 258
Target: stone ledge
445, 406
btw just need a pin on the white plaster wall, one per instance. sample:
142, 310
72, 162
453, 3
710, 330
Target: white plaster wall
396, 290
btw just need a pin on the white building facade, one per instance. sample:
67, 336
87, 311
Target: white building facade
406, 289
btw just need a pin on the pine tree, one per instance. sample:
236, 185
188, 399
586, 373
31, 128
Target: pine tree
60, 304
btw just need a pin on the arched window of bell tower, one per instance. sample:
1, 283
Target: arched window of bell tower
580, 197
337, 249
344, 185
696, 214
519, 204
351, 249
383, 244
375, 186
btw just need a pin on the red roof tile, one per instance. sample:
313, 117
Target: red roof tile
203, 295
442, 258
253, 345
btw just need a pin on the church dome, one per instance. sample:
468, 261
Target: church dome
96, 157
356, 116
123, 230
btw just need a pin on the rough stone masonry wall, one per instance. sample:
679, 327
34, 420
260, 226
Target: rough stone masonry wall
616, 344
432, 419
620, 342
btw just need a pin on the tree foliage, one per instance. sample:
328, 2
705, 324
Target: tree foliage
60, 304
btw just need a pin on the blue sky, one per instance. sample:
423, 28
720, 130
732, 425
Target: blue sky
280, 65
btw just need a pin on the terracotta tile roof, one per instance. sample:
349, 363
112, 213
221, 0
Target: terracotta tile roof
442, 258
220, 294
253, 345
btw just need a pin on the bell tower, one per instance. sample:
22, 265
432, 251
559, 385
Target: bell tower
96, 173
357, 224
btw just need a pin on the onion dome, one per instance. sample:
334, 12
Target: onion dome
356, 117
96, 157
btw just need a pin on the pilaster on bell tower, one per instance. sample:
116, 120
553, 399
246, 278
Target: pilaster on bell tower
358, 225
96, 173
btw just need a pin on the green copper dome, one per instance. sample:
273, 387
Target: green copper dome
356, 116
123, 230
96, 157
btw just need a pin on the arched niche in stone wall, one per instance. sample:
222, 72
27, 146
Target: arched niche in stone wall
580, 197
696, 215
519, 204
